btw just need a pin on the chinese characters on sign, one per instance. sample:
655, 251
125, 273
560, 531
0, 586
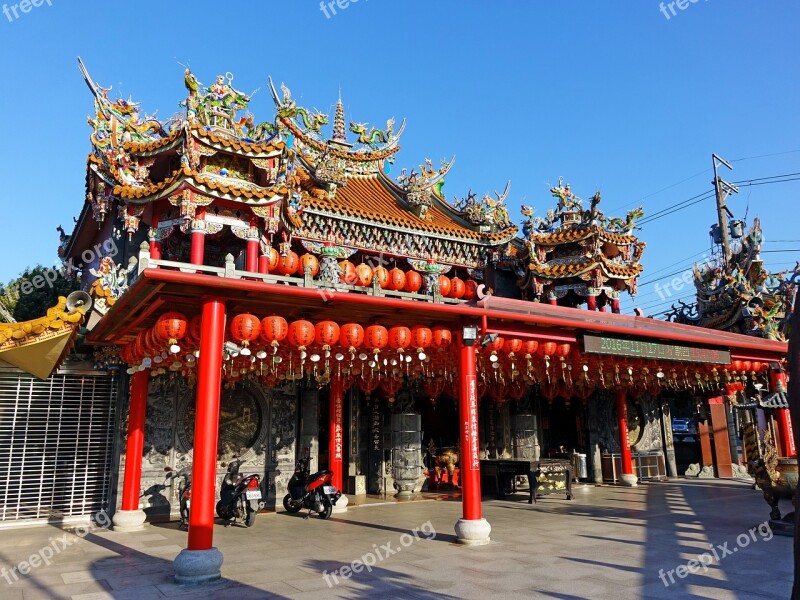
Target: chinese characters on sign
654, 350
337, 428
471, 424
376, 427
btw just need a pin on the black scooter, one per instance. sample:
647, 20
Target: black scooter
313, 492
184, 476
240, 496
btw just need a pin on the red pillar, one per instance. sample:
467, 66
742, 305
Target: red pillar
252, 256
468, 417
336, 432
199, 239
615, 305
777, 383
155, 249
472, 528
591, 302
552, 301
625, 449
263, 264
133, 451
206, 426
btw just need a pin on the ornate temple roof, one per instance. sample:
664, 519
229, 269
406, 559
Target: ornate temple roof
579, 251
741, 296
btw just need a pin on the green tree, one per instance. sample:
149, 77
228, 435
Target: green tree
35, 290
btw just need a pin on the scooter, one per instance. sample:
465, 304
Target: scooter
313, 492
240, 496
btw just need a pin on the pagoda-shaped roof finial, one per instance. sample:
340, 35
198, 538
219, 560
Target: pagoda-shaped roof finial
339, 130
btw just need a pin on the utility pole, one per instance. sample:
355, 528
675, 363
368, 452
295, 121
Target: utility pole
723, 189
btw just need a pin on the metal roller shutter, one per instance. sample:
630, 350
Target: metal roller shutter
56, 444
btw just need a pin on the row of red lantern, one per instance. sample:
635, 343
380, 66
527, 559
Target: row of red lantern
363, 275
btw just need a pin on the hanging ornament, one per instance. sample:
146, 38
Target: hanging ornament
310, 261
348, 275
245, 328
413, 282
399, 338
376, 337
397, 279
274, 330
172, 327
382, 275
364, 275
288, 265
442, 337
421, 339
274, 260
301, 335
470, 289
326, 333
444, 285
457, 288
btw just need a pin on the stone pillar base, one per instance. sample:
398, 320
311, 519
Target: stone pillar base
629, 480
473, 532
128, 520
197, 566
341, 504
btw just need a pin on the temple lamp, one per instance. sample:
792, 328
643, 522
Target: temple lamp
469, 335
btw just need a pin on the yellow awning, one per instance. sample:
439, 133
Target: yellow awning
42, 355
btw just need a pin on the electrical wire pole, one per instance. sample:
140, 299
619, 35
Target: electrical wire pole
723, 189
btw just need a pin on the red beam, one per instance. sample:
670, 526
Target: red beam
559, 317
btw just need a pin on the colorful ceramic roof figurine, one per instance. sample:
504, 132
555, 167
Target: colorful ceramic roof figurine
575, 255
741, 296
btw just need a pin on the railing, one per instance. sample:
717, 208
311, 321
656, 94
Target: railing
229, 271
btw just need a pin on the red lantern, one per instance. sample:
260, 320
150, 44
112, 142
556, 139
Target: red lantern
512, 345
563, 350
457, 288
444, 285
376, 337
274, 330
301, 333
413, 282
171, 326
274, 260
194, 329
470, 289
747, 366
310, 261
737, 365
495, 345
757, 366
421, 337
397, 279
399, 337
348, 275
288, 265
245, 328
327, 333
530, 347
547, 349
351, 335
364, 275
382, 275
442, 336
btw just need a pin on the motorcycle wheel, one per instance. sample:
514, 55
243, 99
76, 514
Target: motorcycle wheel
287, 504
327, 511
249, 516
222, 511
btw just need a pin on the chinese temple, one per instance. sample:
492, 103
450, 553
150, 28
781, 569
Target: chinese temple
277, 289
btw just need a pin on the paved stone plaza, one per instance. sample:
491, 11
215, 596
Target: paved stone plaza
610, 542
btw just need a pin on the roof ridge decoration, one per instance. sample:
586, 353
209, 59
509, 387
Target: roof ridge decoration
374, 147
488, 212
420, 187
741, 296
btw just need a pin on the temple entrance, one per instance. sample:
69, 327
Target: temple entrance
563, 427
440, 440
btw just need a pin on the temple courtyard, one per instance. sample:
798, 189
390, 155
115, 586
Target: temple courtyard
682, 538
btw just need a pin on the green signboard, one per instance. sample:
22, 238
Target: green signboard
597, 344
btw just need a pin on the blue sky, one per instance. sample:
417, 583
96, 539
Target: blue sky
610, 95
